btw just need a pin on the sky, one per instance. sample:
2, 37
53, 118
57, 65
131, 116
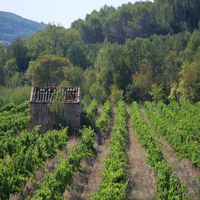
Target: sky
59, 12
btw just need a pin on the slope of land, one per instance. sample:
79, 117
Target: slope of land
182, 168
14, 26
141, 177
88, 180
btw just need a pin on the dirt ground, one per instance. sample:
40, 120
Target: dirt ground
142, 182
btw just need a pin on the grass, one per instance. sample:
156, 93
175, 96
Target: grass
14, 95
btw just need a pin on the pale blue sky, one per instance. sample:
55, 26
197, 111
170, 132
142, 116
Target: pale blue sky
61, 12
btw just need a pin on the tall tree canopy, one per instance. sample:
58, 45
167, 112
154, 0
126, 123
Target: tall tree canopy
48, 70
134, 50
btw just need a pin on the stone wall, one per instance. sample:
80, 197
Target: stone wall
41, 115
72, 115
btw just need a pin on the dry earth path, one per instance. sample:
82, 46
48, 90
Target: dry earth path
89, 178
40, 173
182, 168
142, 182
96, 170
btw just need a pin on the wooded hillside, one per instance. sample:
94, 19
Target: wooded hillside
142, 51
14, 26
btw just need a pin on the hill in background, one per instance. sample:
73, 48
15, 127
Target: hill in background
141, 51
14, 26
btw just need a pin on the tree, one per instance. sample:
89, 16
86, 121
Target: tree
172, 64
58, 41
156, 92
73, 77
89, 78
91, 29
186, 11
48, 70
111, 67
113, 29
57, 105
51, 40
133, 55
77, 56
190, 81
164, 15
142, 80
116, 95
18, 51
10, 67
12, 75
1, 75
98, 92
2, 62
174, 93
194, 42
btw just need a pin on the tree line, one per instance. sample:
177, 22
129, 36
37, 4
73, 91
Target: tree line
137, 51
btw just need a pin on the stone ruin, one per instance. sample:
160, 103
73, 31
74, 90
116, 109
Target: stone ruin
41, 115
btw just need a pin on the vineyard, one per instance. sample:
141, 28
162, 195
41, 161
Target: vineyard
101, 164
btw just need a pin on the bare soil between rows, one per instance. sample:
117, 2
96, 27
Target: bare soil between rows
182, 168
88, 179
142, 181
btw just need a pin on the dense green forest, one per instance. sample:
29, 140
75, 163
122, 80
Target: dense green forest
13, 26
141, 51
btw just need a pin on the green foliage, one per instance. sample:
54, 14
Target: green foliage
111, 67
165, 190
77, 56
115, 180
73, 77
175, 94
103, 120
13, 77
57, 105
52, 40
156, 92
194, 41
89, 78
176, 188
98, 92
180, 125
10, 67
141, 19
172, 63
62, 177
128, 48
116, 95
14, 26
29, 151
48, 70
18, 51
142, 80
58, 41
14, 95
10, 71
14, 118
92, 110
190, 81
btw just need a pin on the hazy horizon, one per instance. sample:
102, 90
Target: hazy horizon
59, 12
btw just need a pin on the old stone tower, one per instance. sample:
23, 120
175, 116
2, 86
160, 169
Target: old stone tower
41, 114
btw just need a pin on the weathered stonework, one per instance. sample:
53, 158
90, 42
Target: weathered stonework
41, 114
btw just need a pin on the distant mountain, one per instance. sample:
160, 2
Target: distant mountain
13, 26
